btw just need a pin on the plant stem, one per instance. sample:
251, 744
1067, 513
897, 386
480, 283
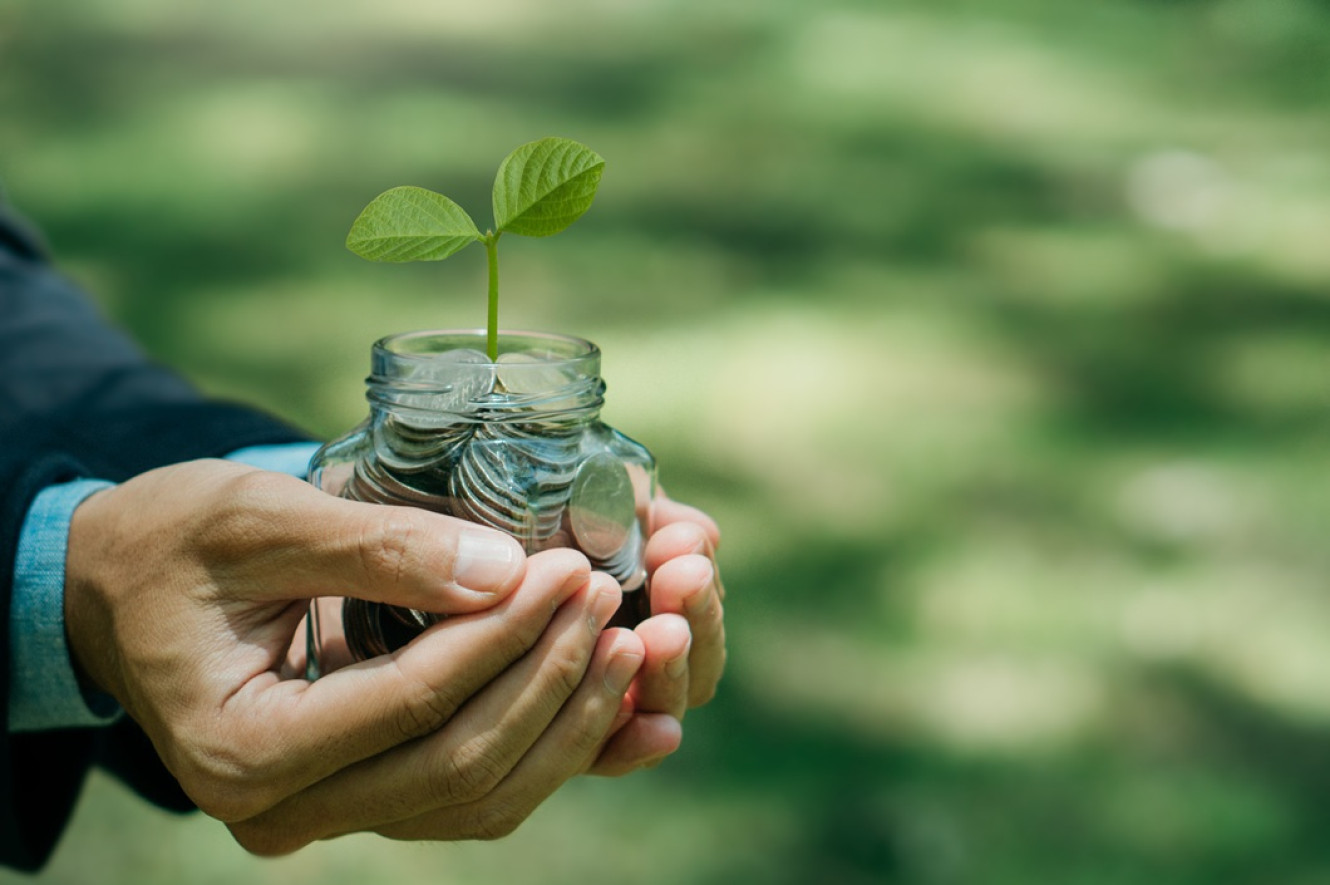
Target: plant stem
492, 251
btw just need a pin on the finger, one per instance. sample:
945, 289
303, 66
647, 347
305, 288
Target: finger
687, 585
566, 749
675, 540
665, 512
627, 710
277, 538
319, 728
682, 539
642, 743
662, 683
471, 755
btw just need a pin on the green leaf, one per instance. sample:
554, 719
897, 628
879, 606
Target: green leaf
544, 186
411, 224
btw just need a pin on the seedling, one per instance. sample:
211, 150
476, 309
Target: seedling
542, 187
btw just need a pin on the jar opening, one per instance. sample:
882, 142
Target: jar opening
449, 371
548, 347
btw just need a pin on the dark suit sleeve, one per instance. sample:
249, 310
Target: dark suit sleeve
77, 399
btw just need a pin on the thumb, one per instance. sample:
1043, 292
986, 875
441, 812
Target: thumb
312, 544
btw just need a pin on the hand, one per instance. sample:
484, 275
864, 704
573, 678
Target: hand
186, 585
684, 638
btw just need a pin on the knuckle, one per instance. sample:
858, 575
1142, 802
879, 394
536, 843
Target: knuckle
427, 709
496, 821
386, 548
238, 488
467, 774
586, 734
252, 491
564, 669
228, 799
520, 636
264, 840
231, 781
243, 503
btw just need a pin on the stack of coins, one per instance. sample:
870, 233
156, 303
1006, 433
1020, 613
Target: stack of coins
428, 423
499, 447
516, 481
374, 483
374, 629
404, 446
602, 519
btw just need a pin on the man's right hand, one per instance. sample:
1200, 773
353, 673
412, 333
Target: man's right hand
185, 587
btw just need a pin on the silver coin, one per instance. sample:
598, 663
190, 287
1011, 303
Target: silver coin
409, 452
360, 625
488, 498
499, 484
527, 373
540, 384
555, 455
438, 390
373, 484
486, 473
545, 470
408, 441
602, 510
505, 517
628, 566
372, 629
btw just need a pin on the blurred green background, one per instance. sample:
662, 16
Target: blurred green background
993, 332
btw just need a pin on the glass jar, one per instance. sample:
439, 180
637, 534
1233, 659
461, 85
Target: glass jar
515, 444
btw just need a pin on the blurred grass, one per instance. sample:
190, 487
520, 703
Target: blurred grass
994, 333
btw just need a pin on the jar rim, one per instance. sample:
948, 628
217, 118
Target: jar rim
414, 346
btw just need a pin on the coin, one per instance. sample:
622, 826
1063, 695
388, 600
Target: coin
526, 373
601, 508
486, 492
408, 450
626, 564
372, 483
435, 392
360, 625
372, 629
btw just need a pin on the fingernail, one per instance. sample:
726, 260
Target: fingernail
486, 561
621, 718
602, 607
620, 672
703, 544
698, 602
675, 668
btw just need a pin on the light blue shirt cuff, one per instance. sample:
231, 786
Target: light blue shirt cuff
292, 458
43, 691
